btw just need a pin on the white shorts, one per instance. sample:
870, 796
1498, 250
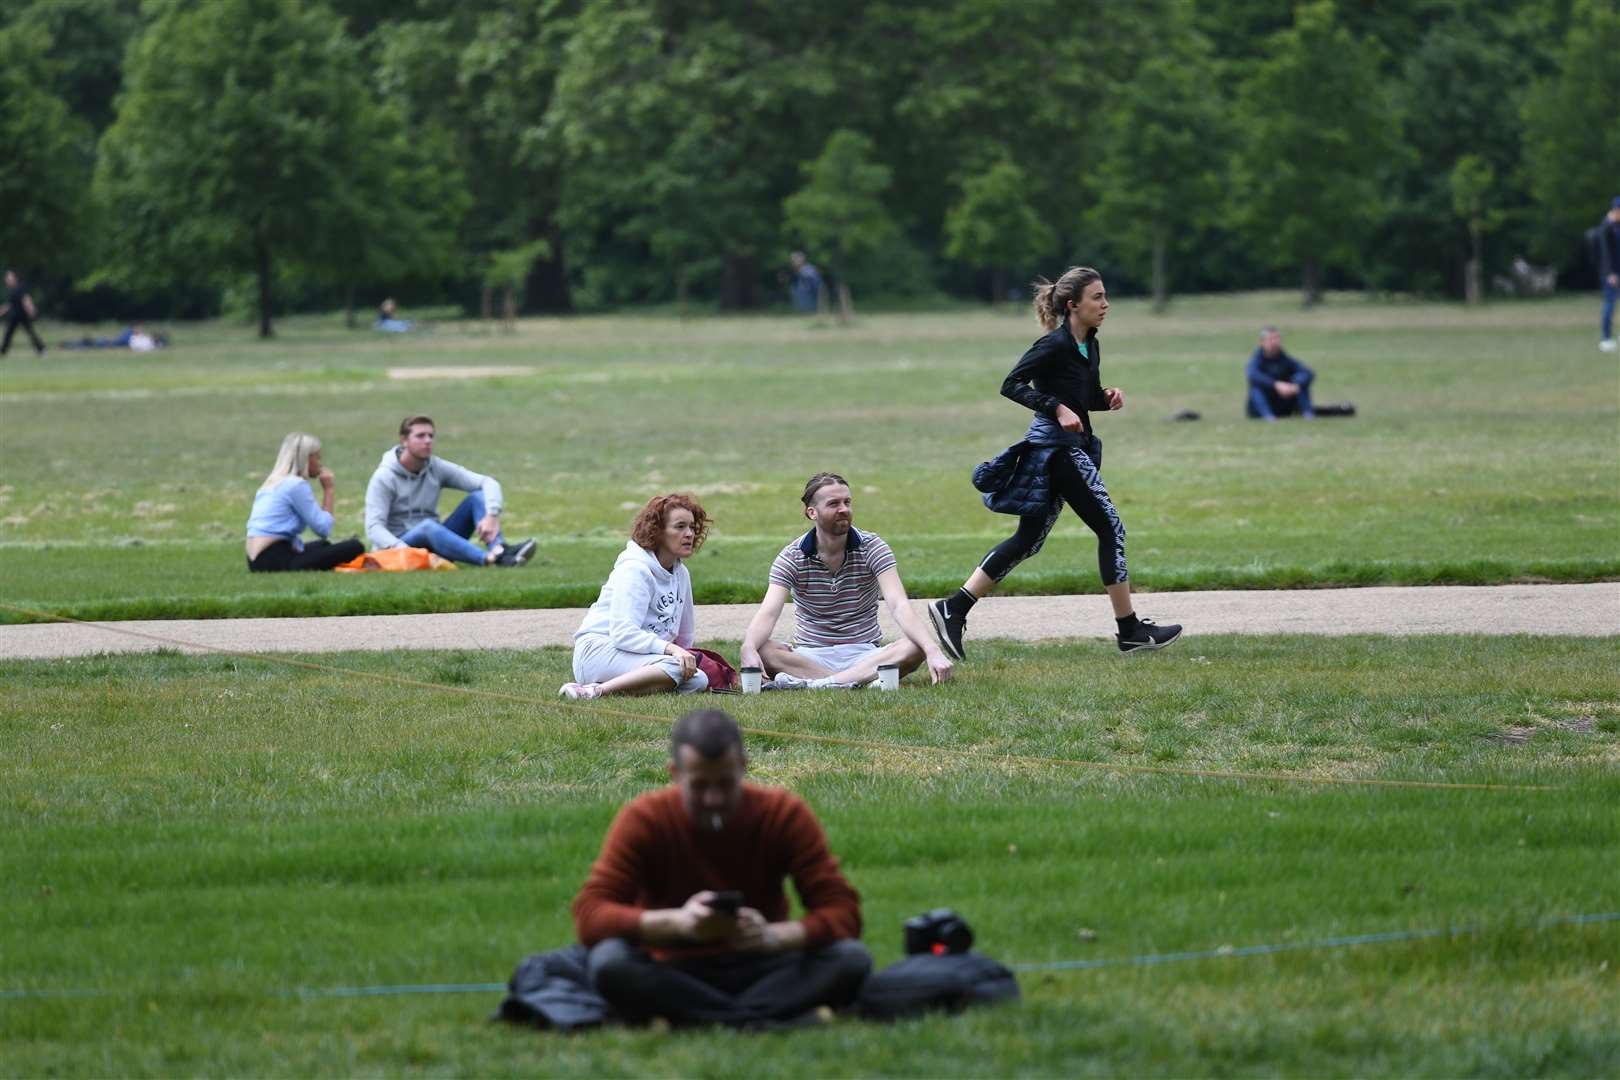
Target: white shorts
597, 661
837, 657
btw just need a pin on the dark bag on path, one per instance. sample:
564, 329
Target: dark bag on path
553, 990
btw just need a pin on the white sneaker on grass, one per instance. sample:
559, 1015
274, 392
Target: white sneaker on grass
574, 691
1608, 344
784, 681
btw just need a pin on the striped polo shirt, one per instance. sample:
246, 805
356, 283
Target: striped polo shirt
829, 608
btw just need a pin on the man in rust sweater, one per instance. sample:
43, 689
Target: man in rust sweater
654, 910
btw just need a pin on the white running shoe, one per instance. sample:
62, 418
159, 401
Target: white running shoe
784, 681
574, 691
1608, 344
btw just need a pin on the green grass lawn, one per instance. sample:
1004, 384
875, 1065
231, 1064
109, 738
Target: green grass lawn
1486, 450
198, 838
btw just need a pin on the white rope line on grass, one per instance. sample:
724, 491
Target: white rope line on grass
1145, 960
596, 710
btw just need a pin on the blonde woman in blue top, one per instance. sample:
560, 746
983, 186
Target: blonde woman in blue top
285, 506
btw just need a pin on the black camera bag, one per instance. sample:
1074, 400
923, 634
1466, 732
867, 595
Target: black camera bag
950, 982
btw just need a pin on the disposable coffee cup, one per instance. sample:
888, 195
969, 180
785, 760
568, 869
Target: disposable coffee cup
751, 677
889, 676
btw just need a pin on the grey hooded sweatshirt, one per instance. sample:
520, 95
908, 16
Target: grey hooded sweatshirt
397, 499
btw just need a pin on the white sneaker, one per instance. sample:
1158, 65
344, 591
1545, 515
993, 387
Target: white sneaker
784, 681
574, 691
1608, 344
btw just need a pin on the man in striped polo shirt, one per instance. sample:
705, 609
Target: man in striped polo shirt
835, 573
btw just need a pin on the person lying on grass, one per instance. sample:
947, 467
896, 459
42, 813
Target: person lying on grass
637, 637
684, 911
284, 507
835, 573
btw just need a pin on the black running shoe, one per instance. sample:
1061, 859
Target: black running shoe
1149, 636
949, 629
516, 554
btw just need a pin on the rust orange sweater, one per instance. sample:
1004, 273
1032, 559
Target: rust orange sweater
653, 857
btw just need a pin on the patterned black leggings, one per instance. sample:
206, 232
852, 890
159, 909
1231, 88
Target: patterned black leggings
1077, 479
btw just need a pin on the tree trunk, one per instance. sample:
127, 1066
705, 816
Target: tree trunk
846, 303
680, 290
486, 303
1473, 289
348, 307
262, 257
509, 308
737, 282
1313, 283
1161, 279
998, 285
546, 287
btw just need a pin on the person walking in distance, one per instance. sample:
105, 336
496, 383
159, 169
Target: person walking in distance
1058, 462
1608, 243
18, 311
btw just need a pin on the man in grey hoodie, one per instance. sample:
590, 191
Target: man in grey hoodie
402, 504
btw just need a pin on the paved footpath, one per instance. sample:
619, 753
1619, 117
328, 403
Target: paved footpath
1584, 610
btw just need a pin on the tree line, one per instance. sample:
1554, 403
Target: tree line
188, 156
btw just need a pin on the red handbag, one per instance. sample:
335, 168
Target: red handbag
722, 676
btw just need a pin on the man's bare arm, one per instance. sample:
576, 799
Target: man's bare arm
763, 624
894, 594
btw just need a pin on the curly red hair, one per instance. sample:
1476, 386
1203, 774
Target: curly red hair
649, 525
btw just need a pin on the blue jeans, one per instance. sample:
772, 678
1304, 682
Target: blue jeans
448, 538
1609, 295
1267, 404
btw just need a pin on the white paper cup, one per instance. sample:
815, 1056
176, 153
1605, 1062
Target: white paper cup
751, 677
889, 677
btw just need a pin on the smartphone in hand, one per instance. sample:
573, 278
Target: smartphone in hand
727, 900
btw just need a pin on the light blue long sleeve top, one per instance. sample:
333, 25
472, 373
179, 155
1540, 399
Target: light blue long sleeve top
285, 510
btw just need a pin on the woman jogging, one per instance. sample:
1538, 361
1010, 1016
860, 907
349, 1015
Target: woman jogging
637, 637
285, 506
1058, 462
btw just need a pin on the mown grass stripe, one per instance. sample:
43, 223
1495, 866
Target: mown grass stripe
596, 710
1148, 960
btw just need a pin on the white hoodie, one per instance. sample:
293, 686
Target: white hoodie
642, 607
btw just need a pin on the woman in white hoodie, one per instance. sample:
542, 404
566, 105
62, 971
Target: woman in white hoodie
636, 638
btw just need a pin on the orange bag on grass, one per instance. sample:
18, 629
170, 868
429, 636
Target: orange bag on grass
395, 559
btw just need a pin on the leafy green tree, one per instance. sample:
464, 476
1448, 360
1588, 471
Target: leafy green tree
682, 127
1461, 87
1473, 184
44, 159
88, 41
482, 74
1317, 137
959, 85
248, 139
993, 226
840, 208
403, 206
1572, 129
508, 270
1162, 178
